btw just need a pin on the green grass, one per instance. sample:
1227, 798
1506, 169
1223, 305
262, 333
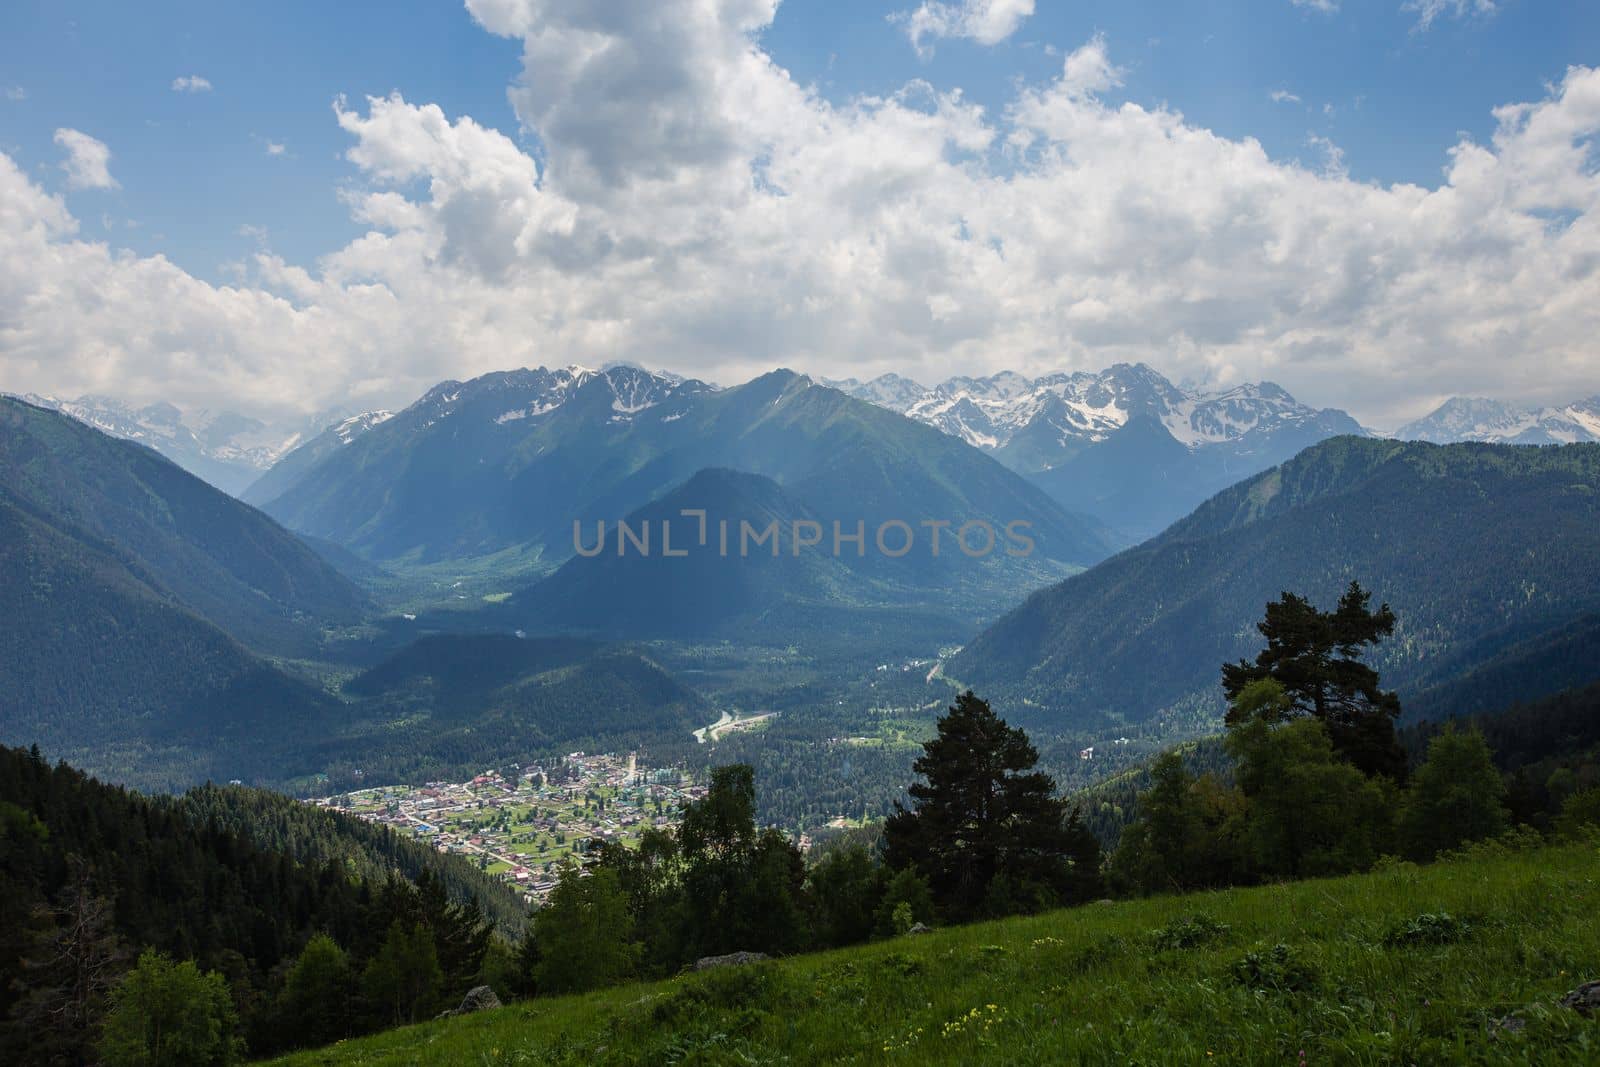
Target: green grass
1404, 965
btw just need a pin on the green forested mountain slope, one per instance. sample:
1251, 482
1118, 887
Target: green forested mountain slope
1509, 667
192, 544
236, 879
457, 703
120, 577
99, 667
1466, 542
744, 589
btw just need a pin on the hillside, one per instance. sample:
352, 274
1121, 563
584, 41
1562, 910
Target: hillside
1359, 980
102, 669
511, 460
188, 542
278, 477
781, 591
237, 879
1465, 542
454, 704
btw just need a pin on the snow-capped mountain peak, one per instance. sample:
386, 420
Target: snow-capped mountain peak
621, 391
356, 425
1480, 419
1036, 421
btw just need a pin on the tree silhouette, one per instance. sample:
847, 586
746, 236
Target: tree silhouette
1315, 656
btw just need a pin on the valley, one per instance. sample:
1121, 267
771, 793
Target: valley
490, 713
734, 532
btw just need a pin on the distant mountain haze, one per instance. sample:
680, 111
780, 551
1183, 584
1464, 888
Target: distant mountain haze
223, 448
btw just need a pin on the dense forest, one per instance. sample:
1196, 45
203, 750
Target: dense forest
236, 880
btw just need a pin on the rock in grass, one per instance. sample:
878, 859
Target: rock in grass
1585, 1000
732, 959
478, 998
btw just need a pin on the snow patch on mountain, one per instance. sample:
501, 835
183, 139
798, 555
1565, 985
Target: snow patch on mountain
1493, 421
356, 425
1065, 410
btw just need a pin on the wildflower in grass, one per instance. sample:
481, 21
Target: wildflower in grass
903, 1042
978, 1021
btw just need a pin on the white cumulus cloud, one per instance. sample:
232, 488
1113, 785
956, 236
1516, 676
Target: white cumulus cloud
191, 83
985, 21
88, 160
692, 206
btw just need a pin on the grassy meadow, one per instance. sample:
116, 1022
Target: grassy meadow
1462, 961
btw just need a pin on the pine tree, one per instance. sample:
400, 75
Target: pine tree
981, 814
1315, 656
71, 960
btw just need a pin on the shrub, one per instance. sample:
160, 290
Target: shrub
1278, 969
1189, 932
1429, 928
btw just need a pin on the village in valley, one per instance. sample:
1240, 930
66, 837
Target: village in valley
525, 823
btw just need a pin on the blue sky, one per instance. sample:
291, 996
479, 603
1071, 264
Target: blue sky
194, 169
1362, 92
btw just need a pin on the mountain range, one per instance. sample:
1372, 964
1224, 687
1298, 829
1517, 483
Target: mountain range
158, 631
504, 465
1124, 445
1478, 419
1484, 552
223, 448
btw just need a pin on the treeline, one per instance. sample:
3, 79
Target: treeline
1320, 781
1547, 750
985, 836
232, 882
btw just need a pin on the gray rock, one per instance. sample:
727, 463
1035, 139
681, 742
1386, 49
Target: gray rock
920, 928
478, 998
732, 959
1585, 1000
